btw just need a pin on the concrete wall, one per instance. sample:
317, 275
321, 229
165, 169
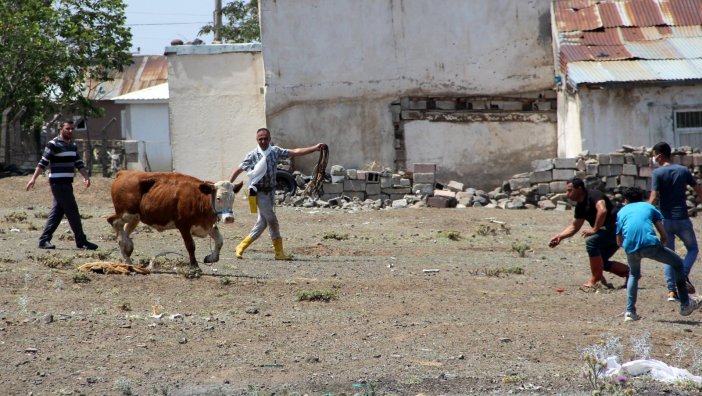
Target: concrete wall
480, 155
148, 124
216, 106
606, 119
334, 67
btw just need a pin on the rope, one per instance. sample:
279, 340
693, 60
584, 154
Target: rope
315, 185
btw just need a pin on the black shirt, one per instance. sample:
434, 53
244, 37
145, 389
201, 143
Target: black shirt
587, 209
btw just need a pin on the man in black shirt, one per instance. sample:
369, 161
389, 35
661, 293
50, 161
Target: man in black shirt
601, 242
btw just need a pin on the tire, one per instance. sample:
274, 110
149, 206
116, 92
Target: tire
285, 182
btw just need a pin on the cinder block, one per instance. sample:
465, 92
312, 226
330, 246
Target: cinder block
565, 163
455, 186
413, 104
686, 160
696, 159
360, 175
423, 189
609, 170
396, 191
592, 169
558, 187
424, 168
377, 197
444, 193
628, 158
611, 182
516, 184
372, 177
540, 177
333, 188
386, 182
131, 146
372, 188
616, 159
629, 170
641, 159
445, 104
643, 183
563, 174
441, 202
603, 159
354, 185
426, 178
627, 181
404, 182
351, 174
543, 189
542, 165
645, 171
396, 180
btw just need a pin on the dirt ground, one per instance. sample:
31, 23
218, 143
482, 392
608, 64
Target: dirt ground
427, 301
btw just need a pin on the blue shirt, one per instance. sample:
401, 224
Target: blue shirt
671, 182
267, 182
635, 224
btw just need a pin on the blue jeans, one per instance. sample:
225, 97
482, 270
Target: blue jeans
683, 230
662, 255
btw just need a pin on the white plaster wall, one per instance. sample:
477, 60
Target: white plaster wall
354, 57
479, 154
643, 116
569, 131
216, 106
148, 123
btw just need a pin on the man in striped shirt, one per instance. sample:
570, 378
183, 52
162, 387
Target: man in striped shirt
61, 157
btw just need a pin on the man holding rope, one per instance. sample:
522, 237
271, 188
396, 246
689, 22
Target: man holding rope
260, 165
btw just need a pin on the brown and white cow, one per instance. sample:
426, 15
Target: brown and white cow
167, 201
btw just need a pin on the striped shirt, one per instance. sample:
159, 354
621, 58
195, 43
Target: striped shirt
267, 183
61, 158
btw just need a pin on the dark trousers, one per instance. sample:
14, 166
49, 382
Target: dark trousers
64, 204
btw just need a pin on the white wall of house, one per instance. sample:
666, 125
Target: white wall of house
609, 118
332, 78
216, 106
147, 123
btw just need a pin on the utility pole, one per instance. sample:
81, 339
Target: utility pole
218, 21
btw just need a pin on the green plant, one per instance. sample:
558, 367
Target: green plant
225, 281
497, 272
336, 236
55, 261
316, 295
81, 277
16, 217
451, 235
521, 248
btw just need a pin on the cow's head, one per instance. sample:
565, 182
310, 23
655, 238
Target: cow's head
223, 200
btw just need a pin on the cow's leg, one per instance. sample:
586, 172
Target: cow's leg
123, 229
189, 245
219, 241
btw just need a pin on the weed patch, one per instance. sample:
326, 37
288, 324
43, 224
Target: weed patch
451, 235
15, 217
316, 295
55, 261
521, 248
335, 236
497, 272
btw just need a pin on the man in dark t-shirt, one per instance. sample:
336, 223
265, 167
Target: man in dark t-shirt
601, 243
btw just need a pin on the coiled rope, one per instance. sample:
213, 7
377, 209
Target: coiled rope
315, 185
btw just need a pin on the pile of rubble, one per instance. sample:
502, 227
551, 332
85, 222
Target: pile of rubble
543, 187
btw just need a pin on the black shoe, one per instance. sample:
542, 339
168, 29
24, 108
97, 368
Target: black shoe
88, 245
46, 245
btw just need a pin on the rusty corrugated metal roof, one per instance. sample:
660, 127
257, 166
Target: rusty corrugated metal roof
145, 72
631, 71
604, 31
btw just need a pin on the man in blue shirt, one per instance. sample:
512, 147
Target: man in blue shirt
669, 185
635, 233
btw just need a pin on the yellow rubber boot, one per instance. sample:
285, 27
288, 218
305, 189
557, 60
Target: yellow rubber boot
279, 253
242, 246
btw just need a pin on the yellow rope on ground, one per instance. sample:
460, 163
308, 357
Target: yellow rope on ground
105, 267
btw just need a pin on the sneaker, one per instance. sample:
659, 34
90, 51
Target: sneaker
88, 245
672, 296
690, 287
631, 316
690, 307
46, 245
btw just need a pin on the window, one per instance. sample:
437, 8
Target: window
80, 123
688, 128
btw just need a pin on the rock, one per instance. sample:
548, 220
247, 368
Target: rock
251, 310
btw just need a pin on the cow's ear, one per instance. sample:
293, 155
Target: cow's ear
238, 186
207, 188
